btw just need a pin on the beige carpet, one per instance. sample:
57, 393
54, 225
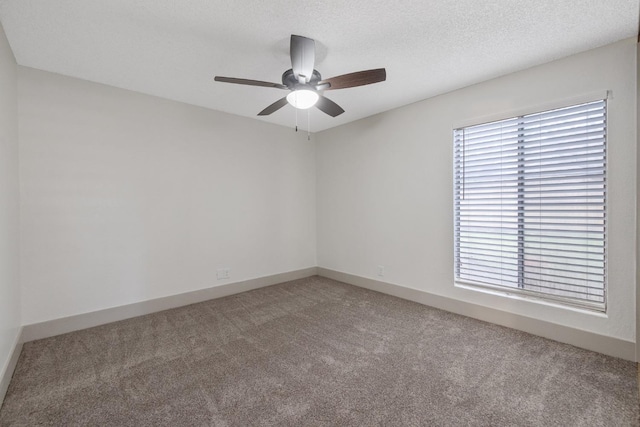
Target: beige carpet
314, 352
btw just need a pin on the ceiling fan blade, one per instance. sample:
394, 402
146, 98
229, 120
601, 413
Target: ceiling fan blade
328, 106
274, 107
359, 78
303, 57
248, 82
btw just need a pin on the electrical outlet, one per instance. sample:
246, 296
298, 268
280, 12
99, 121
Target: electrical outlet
223, 273
381, 270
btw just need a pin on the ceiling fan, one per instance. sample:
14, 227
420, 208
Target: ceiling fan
305, 83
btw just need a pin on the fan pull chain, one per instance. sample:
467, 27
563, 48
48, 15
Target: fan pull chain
309, 124
296, 119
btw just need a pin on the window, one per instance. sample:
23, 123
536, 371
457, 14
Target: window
530, 205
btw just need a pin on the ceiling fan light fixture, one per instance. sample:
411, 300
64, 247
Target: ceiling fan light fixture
302, 98
306, 83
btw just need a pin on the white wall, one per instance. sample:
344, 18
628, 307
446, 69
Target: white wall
9, 222
384, 185
126, 197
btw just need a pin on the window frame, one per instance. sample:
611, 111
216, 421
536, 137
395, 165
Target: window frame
566, 302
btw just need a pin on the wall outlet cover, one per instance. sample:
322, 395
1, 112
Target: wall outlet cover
223, 273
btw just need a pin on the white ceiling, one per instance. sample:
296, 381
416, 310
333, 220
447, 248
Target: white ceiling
173, 49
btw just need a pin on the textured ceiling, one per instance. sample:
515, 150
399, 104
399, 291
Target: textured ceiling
173, 49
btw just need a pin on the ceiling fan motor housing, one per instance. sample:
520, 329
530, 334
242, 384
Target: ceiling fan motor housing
290, 80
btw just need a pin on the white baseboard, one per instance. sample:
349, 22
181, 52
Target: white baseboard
10, 366
588, 340
63, 325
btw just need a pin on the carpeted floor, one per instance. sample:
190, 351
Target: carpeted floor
314, 352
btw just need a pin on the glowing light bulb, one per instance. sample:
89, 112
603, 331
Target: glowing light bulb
302, 98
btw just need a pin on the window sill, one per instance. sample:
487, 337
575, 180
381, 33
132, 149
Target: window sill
514, 295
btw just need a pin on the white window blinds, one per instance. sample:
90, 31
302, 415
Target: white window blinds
529, 197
